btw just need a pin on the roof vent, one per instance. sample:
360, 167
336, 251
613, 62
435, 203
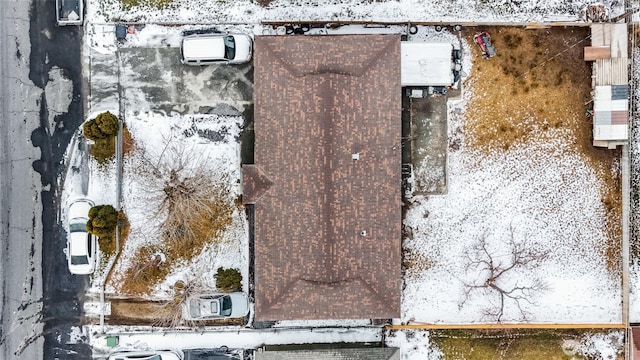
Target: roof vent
363, 233
355, 156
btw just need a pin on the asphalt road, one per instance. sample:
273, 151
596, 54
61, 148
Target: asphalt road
40, 108
20, 209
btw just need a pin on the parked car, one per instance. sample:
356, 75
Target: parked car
221, 353
215, 306
146, 355
207, 49
69, 12
437, 90
457, 71
81, 245
483, 40
456, 53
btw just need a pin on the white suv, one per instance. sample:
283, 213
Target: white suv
81, 245
207, 49
146, 355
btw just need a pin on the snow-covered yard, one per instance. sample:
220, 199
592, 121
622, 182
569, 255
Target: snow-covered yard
192, 145
542, 194
247, 11
527, 231
203, 146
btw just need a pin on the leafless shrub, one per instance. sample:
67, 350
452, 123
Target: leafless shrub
170, 314
494, 278
194, 199
192, 202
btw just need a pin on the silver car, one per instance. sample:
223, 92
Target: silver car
215, 306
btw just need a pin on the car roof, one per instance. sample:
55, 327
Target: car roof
204, 47
78, 243
79, 208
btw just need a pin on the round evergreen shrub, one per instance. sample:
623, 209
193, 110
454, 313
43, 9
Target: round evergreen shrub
228, 280
104, 126
102, 220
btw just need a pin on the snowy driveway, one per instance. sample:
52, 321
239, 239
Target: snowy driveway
153, 79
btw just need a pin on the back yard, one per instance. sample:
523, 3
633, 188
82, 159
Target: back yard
530, 228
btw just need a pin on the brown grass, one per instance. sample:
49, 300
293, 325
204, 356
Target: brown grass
107, 245
147, 270
205, 224
128, 142
414, 262
158, 4
511, 344
195, 219
538, 81
144, 312
137, 312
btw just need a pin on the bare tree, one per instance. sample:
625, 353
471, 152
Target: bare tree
170, 314
497, 272
193, 196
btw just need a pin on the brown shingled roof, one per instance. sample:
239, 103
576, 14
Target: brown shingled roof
254, 183
327, 231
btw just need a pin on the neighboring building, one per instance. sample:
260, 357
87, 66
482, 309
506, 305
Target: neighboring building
609, 52
426, 63
332, 354
326, 182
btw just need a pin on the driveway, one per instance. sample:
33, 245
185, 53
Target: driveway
153, 79
429, 144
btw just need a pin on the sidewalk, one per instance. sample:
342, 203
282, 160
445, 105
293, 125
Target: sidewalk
231, 337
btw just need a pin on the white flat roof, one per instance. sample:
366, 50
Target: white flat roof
610, 132
424, 64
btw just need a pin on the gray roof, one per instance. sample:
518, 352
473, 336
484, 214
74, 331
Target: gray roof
332, 354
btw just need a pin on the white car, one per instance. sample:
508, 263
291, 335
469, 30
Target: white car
215, 306
146, 355
207, 49
81, 245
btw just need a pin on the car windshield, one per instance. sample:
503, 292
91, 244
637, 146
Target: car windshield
225, 306
194, 308
79, 260
77, 227
229, 47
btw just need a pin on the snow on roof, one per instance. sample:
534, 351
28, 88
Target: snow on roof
426, 63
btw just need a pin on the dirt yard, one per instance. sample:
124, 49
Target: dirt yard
538, 81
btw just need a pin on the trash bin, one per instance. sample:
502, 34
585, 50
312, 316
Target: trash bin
112, 341
121, 31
